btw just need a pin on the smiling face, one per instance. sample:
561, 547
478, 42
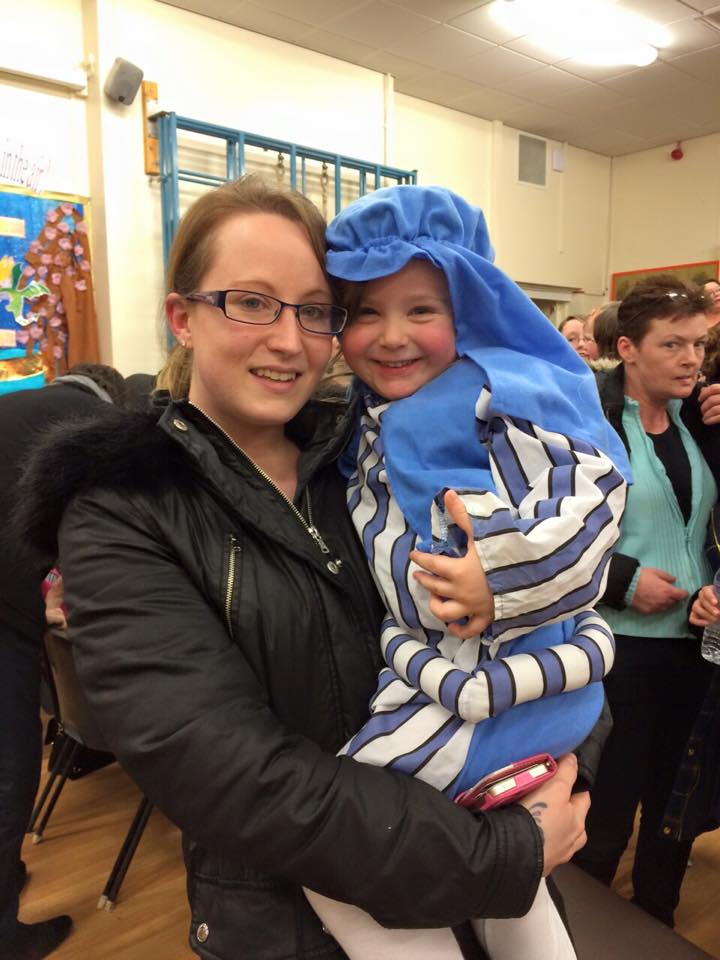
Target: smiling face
665, 364
402, 334
252, 379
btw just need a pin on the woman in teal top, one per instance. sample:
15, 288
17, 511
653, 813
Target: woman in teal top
659, 678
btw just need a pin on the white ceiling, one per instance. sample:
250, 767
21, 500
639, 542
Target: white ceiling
452, 53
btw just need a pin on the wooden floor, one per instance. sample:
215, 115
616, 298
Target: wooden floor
69, 869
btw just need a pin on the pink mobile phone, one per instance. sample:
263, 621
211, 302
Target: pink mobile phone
508, 784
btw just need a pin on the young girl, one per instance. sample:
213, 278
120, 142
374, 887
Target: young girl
467, 386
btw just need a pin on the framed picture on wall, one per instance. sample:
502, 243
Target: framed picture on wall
47, 310
622, 283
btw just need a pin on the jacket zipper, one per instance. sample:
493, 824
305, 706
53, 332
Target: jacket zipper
230, 584
332, 565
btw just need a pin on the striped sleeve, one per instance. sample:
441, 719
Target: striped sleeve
494, 686
546, 537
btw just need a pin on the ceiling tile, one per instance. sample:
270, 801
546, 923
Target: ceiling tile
436, 86
611, 143
439, 47
542, 84
658, 80
340, 47
214, 9
271, 24
496, 66
378, 23
399, 67
589, 71
488, 103
689, 36
540, 120
704, 65
314, 12
442, 12
700, 5
532, 49
588, 100
659, 11
643, 120
482, 24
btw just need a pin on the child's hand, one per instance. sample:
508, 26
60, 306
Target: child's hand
458, 584
705, 609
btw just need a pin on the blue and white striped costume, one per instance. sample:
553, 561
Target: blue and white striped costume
515, 427
436, 687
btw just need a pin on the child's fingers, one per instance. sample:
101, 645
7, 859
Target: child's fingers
458, 513
434, 585
446, 610
433, 563
471, 628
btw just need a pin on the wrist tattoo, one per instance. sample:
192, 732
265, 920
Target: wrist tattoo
536, 810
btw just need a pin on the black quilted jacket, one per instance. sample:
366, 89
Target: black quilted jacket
227, 662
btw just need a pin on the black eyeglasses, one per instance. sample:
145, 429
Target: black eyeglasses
245, 306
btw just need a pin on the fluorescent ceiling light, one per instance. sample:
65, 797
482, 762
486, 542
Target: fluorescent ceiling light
592, 31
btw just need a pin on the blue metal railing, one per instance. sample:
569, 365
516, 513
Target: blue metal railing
236, 142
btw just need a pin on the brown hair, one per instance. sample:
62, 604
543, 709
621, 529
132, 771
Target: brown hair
194, 247
605, 330
711, 364
662, 297
110, 379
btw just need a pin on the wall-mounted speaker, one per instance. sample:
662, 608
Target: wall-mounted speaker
123, 81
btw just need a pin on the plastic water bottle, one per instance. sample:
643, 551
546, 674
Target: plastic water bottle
710, 647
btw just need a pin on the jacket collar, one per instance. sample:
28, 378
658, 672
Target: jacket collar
321, 430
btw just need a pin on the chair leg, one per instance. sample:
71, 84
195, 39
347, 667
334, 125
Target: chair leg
64, 773
59, 762
124, 857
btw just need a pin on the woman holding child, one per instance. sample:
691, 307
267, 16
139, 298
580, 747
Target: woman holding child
226, 624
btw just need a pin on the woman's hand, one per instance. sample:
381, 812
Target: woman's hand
458, 585
559, 814
709, 398
655, 591
705, 609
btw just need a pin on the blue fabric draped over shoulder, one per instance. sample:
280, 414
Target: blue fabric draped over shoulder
503, 341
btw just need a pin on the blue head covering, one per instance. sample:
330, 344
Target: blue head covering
503, 340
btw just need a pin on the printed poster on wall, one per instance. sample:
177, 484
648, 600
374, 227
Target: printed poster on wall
47, 312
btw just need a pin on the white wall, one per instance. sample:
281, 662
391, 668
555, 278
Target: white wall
555, 234
42, 121
209, 71
666, 211
448, 148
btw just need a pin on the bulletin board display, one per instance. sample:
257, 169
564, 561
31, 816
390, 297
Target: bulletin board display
622, 283
47, 311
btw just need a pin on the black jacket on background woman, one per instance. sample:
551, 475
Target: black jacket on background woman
227, 658
611, 386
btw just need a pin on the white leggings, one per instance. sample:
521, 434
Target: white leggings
539, 935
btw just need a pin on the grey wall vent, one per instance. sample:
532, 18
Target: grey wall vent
532, 160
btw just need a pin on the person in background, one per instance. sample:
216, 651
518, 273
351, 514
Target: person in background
24, 416
139, 387
605, 334
659, 678
573, 329
224, 621
711, 292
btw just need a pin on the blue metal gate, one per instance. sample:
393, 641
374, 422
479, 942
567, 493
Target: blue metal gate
368, 174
